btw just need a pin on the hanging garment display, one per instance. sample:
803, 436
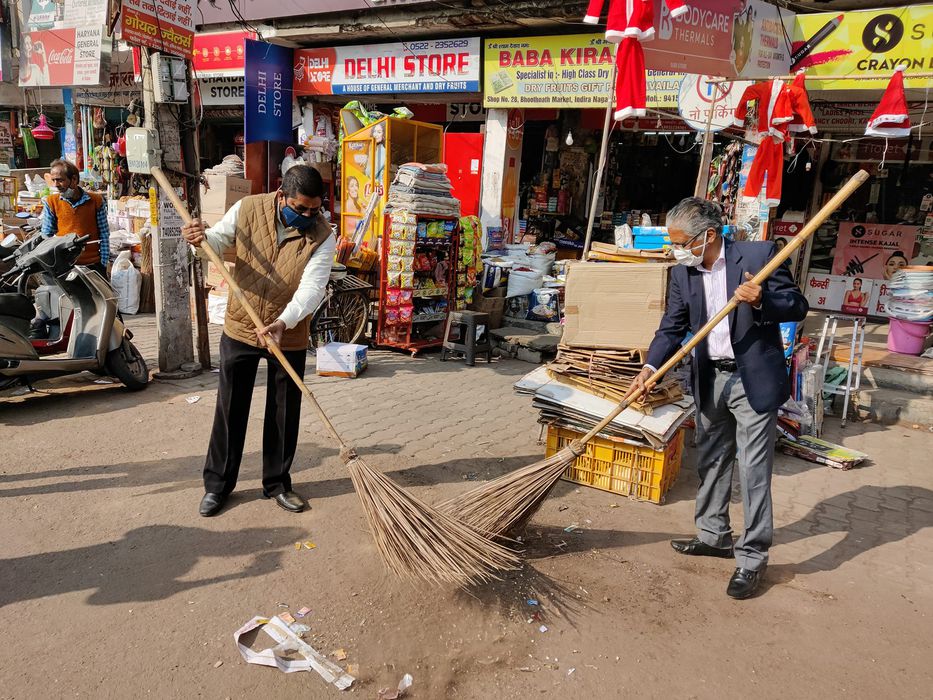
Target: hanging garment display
773, 107
630, 18
631, 89
891, 119
800, 106
769, 162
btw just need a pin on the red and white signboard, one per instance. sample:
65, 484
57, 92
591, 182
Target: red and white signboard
851, 295
220, 54
61, 57
164, 25
446, 65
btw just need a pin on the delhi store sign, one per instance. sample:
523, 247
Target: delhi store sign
446, 65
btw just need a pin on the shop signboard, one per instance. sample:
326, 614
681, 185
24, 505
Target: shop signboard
561, 72
430, 66
120, 88
851, 295
226, 91
164, 25
219, 54
699, 41
873, 251
760, 39
61, 57
698, 97
864, 42
268, 92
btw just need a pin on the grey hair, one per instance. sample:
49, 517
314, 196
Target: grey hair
695, 215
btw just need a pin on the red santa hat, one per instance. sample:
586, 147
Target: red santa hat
891, 118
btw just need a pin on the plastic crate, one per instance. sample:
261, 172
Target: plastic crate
638, 472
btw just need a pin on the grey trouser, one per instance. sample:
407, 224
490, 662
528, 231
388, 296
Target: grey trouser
728, 426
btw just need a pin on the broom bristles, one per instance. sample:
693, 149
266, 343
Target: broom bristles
506, 504
417, 541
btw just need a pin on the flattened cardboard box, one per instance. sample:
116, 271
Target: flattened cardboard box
614, 305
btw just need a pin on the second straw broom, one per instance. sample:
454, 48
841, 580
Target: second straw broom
505, 504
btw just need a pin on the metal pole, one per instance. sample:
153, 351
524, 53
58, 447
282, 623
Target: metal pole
706, 157
603, 150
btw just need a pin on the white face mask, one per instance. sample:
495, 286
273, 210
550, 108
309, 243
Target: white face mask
687, 257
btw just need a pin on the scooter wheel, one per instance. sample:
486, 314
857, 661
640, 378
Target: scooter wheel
127, 364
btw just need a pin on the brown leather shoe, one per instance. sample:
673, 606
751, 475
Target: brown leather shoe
289, 501
698, 548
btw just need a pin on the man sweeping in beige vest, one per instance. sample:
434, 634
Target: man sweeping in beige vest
284, 253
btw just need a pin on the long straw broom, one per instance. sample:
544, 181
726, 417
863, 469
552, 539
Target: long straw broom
505, 504
414, 539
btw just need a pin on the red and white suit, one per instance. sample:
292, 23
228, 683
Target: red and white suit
800, 106
774, 116
630, 18
630, 22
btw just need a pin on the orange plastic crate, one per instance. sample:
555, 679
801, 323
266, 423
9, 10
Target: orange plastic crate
629, 470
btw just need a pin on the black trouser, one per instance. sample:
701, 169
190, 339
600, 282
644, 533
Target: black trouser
238, 365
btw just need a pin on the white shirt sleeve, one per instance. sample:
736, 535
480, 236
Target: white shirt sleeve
313, 284
222, 235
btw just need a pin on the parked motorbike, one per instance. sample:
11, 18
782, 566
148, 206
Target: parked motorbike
93, 337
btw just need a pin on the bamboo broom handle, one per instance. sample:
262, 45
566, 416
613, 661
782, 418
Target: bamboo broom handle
832, 205
238, 293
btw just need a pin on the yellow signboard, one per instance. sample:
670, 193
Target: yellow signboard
561, 71
864, 42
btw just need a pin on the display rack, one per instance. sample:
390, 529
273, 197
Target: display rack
413, 306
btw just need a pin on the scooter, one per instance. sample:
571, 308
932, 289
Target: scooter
97, 340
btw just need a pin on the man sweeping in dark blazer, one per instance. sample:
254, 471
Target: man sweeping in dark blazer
739, 379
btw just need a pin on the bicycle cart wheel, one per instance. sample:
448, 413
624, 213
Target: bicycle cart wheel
341, 319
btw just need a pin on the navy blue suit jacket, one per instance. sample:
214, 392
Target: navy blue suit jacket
756, 335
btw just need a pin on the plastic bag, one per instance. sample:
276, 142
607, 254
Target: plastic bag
544, 305
523, 282
624, 236
126, 282
216, 308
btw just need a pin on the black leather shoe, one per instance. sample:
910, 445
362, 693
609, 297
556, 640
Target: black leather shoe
290, 501
211, 504
744, 583
698, 548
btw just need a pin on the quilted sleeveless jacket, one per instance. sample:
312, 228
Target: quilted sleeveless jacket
269, 273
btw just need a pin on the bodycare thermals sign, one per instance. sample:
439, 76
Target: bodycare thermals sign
268, 108
447, 65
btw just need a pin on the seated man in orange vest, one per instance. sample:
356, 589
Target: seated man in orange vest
73, 210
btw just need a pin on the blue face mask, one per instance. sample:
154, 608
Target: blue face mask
293, 219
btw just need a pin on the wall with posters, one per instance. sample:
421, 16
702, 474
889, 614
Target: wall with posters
864, 42
429, 66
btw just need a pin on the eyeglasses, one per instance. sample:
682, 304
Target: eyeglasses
688, 244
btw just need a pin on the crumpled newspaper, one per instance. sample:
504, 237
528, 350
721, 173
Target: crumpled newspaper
287, 641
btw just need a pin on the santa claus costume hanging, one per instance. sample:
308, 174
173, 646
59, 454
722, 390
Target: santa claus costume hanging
781, 108
630, 22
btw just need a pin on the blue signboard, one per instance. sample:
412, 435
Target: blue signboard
268, 94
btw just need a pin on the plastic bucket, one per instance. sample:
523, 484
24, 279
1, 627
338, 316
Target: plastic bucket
907, 337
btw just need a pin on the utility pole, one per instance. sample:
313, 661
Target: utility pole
169, 249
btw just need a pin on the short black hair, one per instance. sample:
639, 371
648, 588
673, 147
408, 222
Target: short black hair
71, 170
302, 180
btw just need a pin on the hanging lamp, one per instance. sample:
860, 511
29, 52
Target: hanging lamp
43, 132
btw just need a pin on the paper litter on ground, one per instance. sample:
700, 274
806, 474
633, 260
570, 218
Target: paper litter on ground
287, 641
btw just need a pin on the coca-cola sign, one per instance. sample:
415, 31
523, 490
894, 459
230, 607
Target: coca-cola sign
62, 57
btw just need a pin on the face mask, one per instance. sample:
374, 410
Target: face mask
293, 219
71, 194
687, 257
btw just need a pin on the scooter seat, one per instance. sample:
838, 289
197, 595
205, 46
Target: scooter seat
17, 306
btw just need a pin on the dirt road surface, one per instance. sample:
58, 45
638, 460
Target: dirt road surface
111, 585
